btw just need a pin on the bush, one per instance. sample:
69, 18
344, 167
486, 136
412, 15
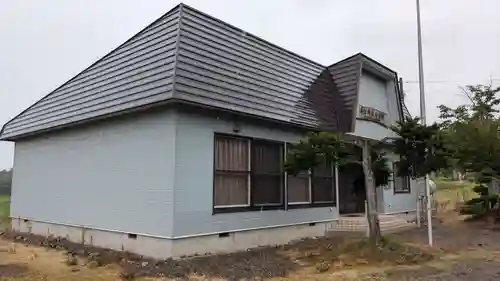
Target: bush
482, 205
477, 210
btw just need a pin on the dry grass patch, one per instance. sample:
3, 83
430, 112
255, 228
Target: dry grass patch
325, 254
58, 257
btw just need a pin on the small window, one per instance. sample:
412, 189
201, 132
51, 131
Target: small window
232, 172
267, 173
299, 188
323, 180
401, 184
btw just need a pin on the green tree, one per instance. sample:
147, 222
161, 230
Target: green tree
5, 181
420, 148
323, 147
472, 133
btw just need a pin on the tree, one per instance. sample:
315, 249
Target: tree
324, 147
422, 149
5, 181
472, 132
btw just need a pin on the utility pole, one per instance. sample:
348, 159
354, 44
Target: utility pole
418, 205
423, 116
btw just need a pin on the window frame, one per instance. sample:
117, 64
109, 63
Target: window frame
332, 177
284, 205
406, 181
281, 175
309, 185
248, 172
312, 203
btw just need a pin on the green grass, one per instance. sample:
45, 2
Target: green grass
443, 184
4, 210
450, 193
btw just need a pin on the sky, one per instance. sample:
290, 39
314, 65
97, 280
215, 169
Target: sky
45, 43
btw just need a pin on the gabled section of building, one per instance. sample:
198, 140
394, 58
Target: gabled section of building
360, 75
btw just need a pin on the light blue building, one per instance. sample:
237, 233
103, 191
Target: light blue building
173, 143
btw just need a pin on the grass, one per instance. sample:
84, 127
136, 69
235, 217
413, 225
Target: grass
450, 193
319, 261
444, 184
4, 210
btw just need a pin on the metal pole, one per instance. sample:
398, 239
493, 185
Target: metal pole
367, 220
337, 192
423, 116
417, 202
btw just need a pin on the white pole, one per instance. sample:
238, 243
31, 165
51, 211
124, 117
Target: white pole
418, 209
423, 116
366, 218
337, 193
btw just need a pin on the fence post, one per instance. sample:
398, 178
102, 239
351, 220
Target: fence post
418, 210
367, 222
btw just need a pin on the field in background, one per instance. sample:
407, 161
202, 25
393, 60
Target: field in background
4, 211
447, 193
450, 193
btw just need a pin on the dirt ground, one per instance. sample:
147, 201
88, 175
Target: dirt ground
462, 251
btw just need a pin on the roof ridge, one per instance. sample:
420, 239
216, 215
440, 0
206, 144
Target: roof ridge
253, 35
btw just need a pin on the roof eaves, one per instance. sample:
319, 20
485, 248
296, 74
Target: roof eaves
179, 6
353, 57
377, 68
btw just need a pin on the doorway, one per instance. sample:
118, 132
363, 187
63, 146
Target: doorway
352, 190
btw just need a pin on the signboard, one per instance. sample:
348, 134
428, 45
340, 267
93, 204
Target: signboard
371, 114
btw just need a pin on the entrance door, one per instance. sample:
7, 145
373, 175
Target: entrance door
352, 191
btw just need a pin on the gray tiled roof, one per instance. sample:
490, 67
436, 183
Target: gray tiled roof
138, 72
188, 56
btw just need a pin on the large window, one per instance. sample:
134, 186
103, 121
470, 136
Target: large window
249, 175
401, 184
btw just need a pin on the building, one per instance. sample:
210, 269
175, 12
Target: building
173, 143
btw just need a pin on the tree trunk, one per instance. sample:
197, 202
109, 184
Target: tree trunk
372, 214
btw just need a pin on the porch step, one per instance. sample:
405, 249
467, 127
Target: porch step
388, 224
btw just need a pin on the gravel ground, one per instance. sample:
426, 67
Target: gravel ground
468, 271
477, 238
471, 250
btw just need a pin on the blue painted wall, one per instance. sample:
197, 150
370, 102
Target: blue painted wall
194, 180
115, 175
380, 94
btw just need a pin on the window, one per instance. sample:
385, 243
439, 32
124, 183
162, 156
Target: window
232, 172
267, 173
401, 184
299, 188
249, 175
323, 183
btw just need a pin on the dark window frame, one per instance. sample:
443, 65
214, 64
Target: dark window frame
254, 173
406, 181
284, 205
314, 203
216, 172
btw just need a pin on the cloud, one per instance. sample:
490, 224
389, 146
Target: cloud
44, 43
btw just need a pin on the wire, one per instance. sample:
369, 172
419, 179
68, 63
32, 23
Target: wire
446, 81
